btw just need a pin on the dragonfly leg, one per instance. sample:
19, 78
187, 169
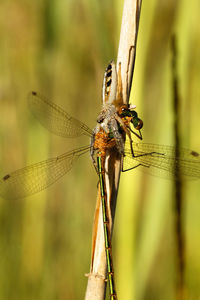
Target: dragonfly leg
146, 154
133, 167
127, 130
138, 135
140, 164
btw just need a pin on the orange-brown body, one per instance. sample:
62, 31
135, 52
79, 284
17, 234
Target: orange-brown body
103, 142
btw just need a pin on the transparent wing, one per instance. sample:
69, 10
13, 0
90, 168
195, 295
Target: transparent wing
39, 176
54, 118
163, 161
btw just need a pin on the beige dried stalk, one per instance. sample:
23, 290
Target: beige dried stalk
126, 58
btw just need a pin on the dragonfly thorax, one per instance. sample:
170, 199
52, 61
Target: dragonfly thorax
106, 117
108, 132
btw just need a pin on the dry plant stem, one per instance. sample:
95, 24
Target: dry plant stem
127, 44
126, 57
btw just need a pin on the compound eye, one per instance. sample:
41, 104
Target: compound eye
123, 108
123, 111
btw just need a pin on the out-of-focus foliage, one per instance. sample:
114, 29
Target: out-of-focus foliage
61, 48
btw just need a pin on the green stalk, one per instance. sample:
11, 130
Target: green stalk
107, 235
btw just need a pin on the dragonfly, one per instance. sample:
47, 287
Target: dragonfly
115, 122
156, 159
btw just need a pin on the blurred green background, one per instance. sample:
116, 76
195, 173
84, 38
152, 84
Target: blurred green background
61, 48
